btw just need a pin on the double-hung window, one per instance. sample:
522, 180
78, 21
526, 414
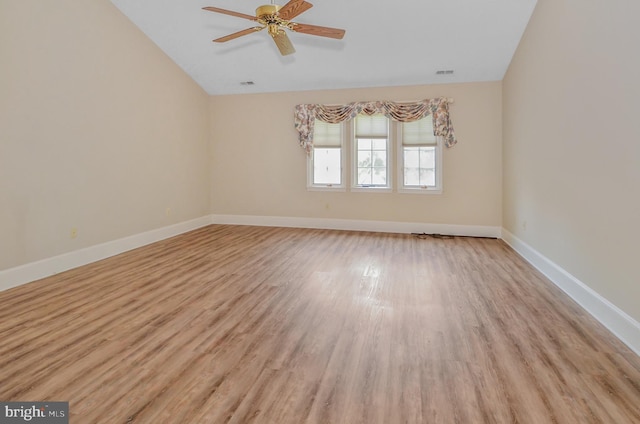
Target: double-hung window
361, 154
327, 157
420, 157
371, 152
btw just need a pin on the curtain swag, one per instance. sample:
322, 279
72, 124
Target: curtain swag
306, 114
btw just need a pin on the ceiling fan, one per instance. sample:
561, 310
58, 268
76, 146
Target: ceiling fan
276, 18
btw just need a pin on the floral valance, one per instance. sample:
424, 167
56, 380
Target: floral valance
306, 114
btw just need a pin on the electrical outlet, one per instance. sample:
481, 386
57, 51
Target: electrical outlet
74, 233
168, 212
524, 225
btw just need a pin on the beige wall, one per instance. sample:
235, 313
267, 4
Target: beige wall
99, 131
259, 169
572, 143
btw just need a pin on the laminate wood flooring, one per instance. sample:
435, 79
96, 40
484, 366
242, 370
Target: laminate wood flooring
238, 324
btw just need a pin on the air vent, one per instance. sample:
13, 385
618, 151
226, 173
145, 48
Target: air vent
445, 72
247, 83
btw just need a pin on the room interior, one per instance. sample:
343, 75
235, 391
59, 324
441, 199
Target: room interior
108, 145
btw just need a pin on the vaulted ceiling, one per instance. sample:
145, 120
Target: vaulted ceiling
404, 42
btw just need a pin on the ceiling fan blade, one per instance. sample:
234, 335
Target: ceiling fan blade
318, 30
284, 44
237, 34
230, 12
293, 9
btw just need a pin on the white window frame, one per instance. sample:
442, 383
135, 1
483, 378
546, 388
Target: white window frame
395, 157
311, 186
402, 188
355, 187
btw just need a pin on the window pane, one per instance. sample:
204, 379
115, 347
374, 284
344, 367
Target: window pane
364, 158
419, 166
364, 176
411, 157
427, 157
427, 177
412, 176
379, 176
379, 159
379, 144
326, 166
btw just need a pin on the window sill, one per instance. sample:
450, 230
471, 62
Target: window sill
326, 188
419, 190
372, 189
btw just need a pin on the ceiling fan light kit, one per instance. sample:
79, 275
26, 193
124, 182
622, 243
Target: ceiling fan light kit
276, 19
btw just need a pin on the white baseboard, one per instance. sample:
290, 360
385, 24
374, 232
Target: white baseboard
359, 225
26, 273
23, 274
617, 321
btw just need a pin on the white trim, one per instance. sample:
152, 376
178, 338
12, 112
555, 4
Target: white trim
420, 190
359, 225
23, 274
328, 188
617, 321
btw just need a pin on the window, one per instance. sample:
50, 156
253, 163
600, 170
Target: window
361, 154
327, 157
420, 157
371, 152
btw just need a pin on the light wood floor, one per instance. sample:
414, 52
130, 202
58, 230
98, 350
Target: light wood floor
272, 325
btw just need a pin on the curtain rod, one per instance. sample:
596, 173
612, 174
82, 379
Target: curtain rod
449, 100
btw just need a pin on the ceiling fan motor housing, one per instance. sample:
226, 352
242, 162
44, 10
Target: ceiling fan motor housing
268, 15
267, 9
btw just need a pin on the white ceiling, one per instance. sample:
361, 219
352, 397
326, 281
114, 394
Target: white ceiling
386, 44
